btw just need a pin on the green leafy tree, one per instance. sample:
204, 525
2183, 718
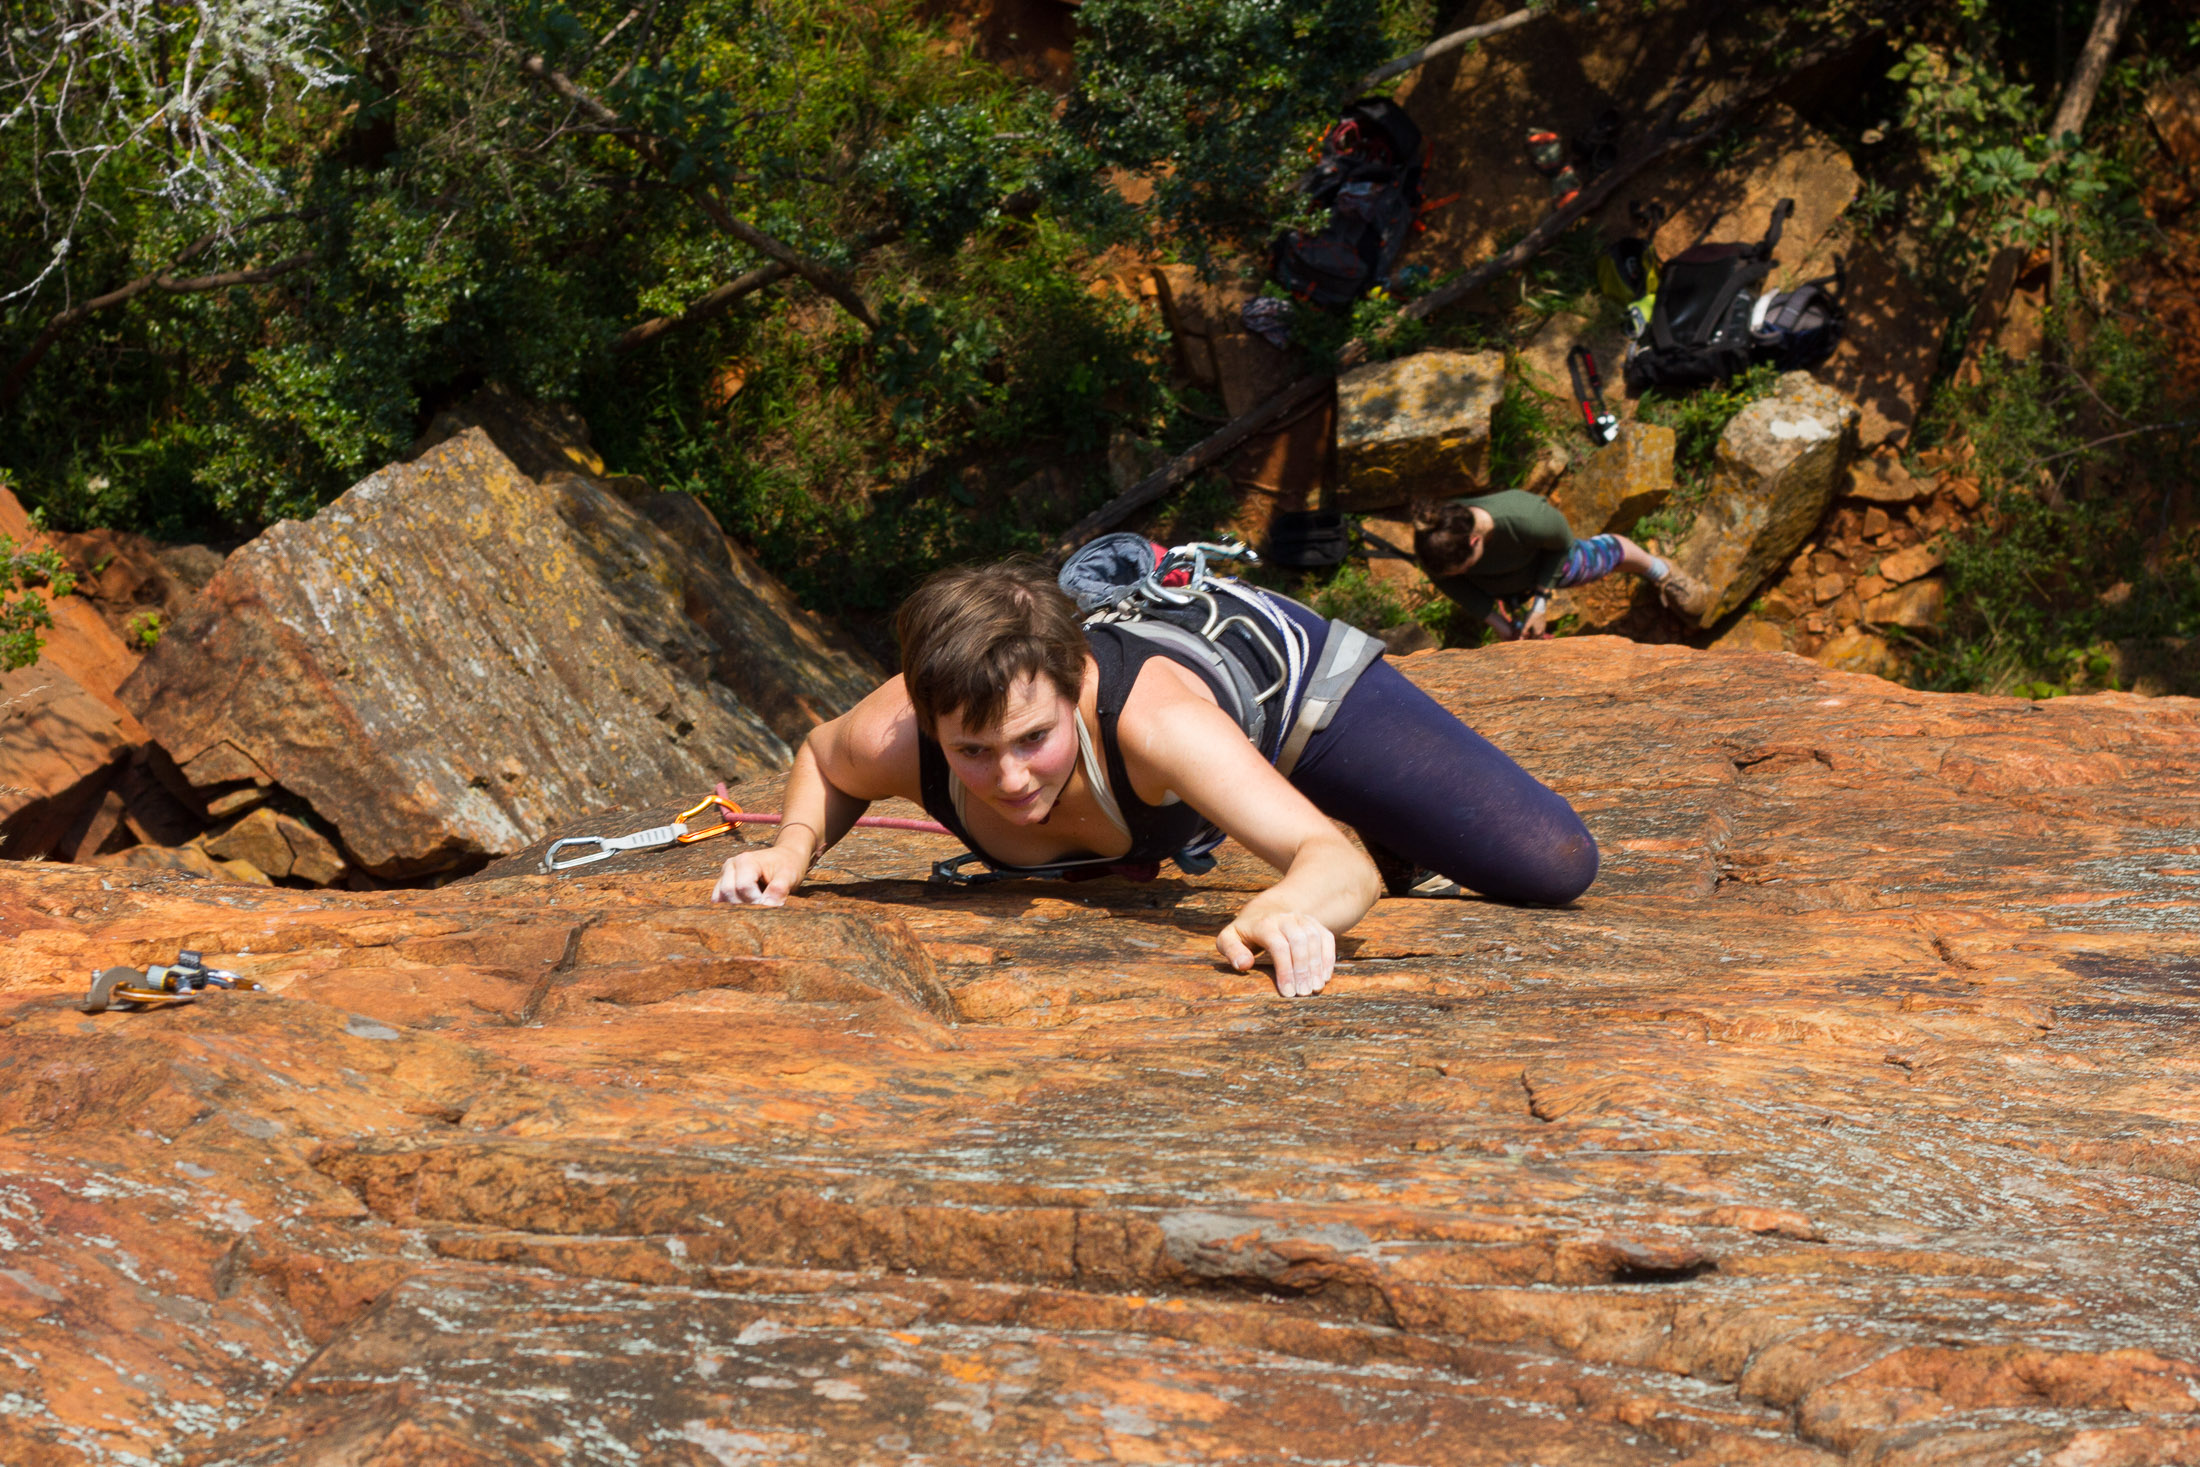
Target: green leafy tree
1214, 102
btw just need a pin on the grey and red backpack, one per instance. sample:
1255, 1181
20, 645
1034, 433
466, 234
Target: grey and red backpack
1369, 173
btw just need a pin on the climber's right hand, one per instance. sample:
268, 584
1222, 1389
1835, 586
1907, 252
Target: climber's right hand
761, 878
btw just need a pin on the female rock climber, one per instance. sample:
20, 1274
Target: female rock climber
1039, 740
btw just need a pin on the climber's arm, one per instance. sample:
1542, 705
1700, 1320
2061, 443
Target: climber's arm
868, 753
1177, 742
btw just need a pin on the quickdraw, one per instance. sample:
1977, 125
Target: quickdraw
680, 832
179, 982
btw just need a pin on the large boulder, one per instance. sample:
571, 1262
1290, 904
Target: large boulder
453, 655
1621, 482
1779, 463
1417, 425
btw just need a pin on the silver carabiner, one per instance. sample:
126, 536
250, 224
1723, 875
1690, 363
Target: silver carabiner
608, 846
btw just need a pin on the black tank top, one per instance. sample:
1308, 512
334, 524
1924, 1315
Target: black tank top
1157, 831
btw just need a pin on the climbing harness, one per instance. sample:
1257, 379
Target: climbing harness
1581, 365
679, 832
1254, 654
179, 982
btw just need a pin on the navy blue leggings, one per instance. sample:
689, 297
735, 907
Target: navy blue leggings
1400, 769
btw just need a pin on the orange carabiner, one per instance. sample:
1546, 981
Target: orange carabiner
727, 809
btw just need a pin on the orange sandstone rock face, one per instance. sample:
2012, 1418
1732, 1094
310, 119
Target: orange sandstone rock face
1850, 1117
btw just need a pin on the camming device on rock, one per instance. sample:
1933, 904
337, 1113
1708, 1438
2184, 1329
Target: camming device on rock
179, 982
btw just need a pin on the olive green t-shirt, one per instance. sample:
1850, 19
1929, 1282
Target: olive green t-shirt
1523, 553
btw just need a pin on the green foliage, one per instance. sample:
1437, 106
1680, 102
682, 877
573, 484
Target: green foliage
23, 612
464, 225
1522, 426
1215, 102
853, 485
1989, 176
142, 629
1355, 597
2056, 574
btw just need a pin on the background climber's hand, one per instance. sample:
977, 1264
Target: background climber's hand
1303, 950
1532, 630
760, 878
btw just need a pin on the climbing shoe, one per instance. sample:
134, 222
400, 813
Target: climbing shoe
1565, 186
1684, 593
1401, 878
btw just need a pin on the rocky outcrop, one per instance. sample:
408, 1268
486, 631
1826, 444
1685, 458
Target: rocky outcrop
452, 654
1619, 483
1416, 425
1844, 1120
58, 747
1778, 465
64, 734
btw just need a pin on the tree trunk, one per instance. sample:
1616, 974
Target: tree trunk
2070, 115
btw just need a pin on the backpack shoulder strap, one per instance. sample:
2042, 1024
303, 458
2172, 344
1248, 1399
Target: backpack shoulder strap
1771, 241
1225, 669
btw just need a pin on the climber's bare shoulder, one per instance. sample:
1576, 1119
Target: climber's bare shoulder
870, 752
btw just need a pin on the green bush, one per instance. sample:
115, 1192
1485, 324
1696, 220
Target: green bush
2058, 571
23, 612
1355, 597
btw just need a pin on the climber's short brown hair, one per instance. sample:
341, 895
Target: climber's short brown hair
970, 634
1443, 534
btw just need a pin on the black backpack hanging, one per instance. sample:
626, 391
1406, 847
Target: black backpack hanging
1699, 330
1369, 174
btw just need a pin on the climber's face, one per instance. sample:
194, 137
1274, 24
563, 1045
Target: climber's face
1019, 766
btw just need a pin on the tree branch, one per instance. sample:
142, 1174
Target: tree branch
1443, 46
2085, 82
703, 308
720, 298
653, 151
19, 374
